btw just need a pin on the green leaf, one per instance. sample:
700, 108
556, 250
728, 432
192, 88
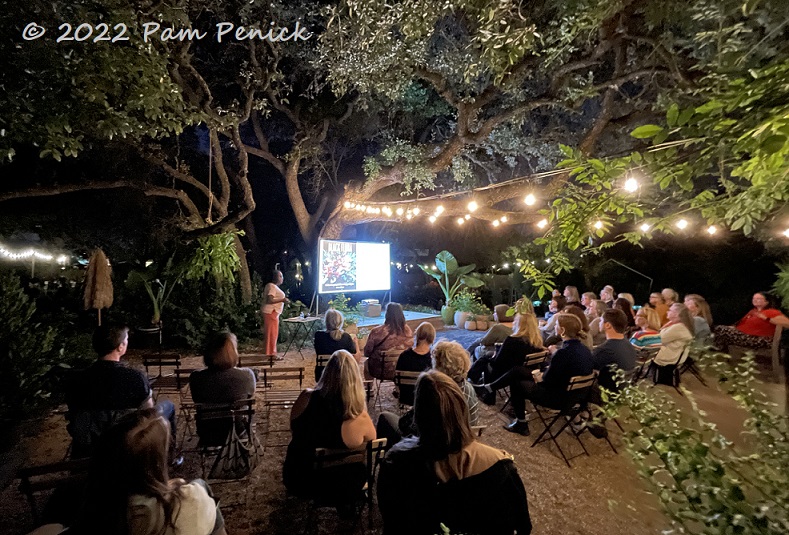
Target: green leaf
685, 116
646, 131
773, 144
709, 107
446, 262
672, 115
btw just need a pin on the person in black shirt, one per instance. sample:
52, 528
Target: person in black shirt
616, 351
333, 338
416, 359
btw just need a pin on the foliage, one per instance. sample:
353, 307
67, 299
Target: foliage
351, 314
420, 308
451, 276
216, 256
466, 301
30, 353
706, 484
781, 286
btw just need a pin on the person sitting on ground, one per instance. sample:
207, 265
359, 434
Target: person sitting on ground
615, 352
584, 336
648, 323
333, 338
129, 491
393, 334
571, 294
220, 382
486, 345
670, 296
445, 476
548, 326
331, 415
756, 329
702, 318
657, 302
416, 359
675, 337
588, 301
549, 388
107, 390
607, 295
524, 341
624, 305
595, 324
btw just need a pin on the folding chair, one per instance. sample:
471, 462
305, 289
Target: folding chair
774, 353
532, 361
403, 378
256, 360
385, 370
576, 401
478, 429
174, 384
654, 370
320, 363
276, 398
37, 479
371, 454
237, 414
161, 360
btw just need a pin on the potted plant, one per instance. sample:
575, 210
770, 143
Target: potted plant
451, 278
464, 304
482, 316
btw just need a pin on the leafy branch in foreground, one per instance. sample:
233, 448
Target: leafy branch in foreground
707, 484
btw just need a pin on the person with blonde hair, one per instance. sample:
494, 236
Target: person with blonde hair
445, 476
221, 381
648, 323
129, 491
550, 387
629, 297
416, 359
702, 318
607, 295
331, 415
675, 336
333, 338
571, 294
670, 296
450, 358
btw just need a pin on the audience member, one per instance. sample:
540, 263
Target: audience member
607, 295
702, 317
220, 382
333, 338
596, 324
624, 305
571, 294
550, 388
450, 358
648, 322
416, 359
486, 345
524, 341
548, 326
629, 297
588, 301
584, 336
616, 352
129, 490
670, 296
445, 477
675, 336
657, 302
332, 415
756, 329
107, 390
393, 334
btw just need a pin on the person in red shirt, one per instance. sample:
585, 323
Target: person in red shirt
756, 329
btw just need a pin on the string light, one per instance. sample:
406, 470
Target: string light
467, 217
399, 211
27, 254
495, 223
408, 216
347, 204
530, 199
682, 224
434, 266
786, 233
439, 210
505, 266
432, 219
598, 225
644, 227
543, 223
461, 220
472, 206
416, 211
503, 219
711, 230
631, 185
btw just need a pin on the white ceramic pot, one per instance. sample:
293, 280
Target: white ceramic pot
460, 318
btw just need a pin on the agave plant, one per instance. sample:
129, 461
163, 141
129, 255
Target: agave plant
451, 276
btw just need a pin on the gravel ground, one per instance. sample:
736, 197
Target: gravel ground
600, 494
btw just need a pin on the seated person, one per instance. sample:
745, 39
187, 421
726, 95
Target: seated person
615, 352
675, 337
486, 345
416, 359
573, 298
629, 297
333, 338
648, 323
585, 336
129, 490
596, 322
525, 340
607, 295
548, 326
548, 389
624, 305
657, 302
107, 390
702, 319
588, 303
393, 334
220, 382
444, 476
331, 415
670, 296
756, 329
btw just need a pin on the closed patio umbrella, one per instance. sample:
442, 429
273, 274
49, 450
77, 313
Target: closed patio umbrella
98, 283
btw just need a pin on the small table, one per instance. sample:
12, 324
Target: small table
304, 327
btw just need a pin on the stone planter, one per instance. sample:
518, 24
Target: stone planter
482, 325
448, 315
471, 325
461, 317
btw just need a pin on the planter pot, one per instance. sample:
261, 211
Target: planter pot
461, 317
482, 325
148, 337
471, 325
448, 315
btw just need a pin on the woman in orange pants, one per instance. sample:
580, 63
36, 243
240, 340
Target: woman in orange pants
273, 302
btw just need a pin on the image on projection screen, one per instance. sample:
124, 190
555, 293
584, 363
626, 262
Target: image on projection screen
349, 266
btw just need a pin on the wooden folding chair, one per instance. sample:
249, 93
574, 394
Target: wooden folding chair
403, 378
279, 398
371, 454
478, 429
320, 363
576, 401
162, 361
37, 479
532, 361
387, 370
235, 413
256, 360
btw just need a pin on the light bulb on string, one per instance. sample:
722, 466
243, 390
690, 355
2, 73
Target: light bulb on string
416, 211
644, 227
530, 199
347, 204
408, 216
495, 223
711, 230
461, 220
786, 233
432, 219
472, 206
439, 209
399, 211
503, 219
682, 224
598, 225
543, 223
631, 185
467, 217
